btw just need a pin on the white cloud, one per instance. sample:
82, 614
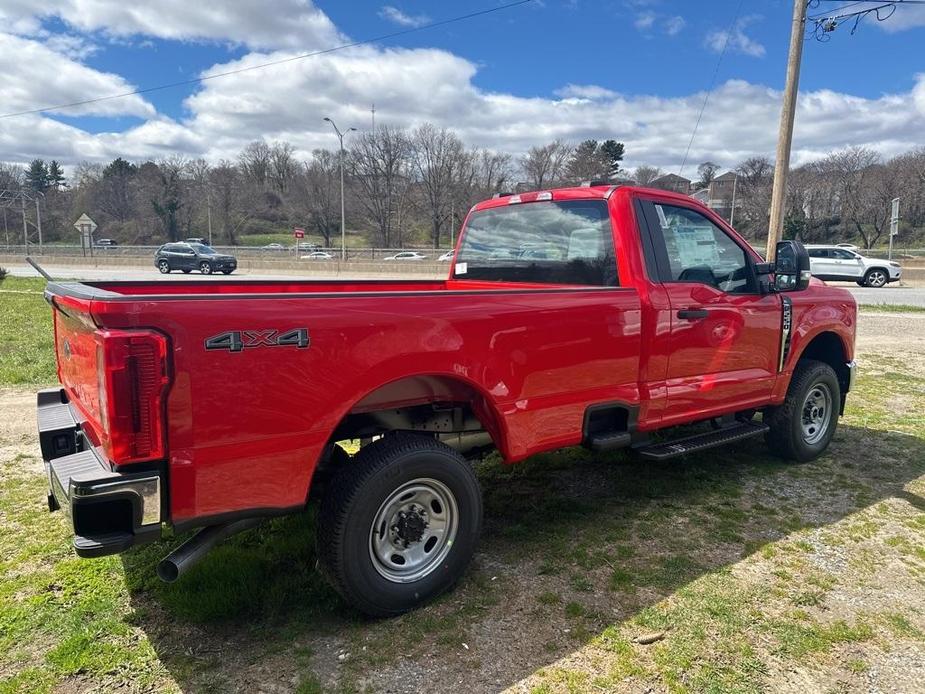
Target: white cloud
585, 91
674, 25
644, 21
649, 22
905, 17
396, 16
31, 74
736, 40
270, 24
411, 86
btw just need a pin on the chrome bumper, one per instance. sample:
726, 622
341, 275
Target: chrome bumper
852, 374
110, 511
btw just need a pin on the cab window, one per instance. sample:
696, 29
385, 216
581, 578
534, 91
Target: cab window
696, 250
842, 254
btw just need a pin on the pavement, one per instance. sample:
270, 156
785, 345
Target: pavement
892, 295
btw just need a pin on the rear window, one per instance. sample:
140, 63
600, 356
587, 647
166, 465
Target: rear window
567, 242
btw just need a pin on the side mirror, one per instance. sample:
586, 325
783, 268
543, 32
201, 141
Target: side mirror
791, 267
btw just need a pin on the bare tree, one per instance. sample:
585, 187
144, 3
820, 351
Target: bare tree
439, 158
225, 179
754, 192
644, 174
282, 165
545, 166
707, 172
379, 162
254, 161
318, 193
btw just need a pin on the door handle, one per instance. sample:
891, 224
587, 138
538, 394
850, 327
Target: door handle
693, 313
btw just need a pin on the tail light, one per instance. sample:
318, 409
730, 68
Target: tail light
133, 379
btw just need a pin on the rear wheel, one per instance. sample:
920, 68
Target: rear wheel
875, 278
227, 272
399, 524
186, 271
163, 266
802, 427
205, 268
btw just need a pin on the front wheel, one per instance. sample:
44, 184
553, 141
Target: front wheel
163, 266
205, 268
802, 427
875, 278
227, 272
399, 524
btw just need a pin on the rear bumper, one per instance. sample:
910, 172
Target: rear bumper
109, 511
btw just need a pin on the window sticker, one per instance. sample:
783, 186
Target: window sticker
461, 268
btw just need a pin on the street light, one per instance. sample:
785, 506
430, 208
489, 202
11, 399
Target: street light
343, 229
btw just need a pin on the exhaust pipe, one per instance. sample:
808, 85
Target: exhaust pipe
178, 562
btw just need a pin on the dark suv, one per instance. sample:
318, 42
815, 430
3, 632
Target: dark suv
193, 256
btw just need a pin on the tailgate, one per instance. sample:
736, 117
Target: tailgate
115, 380
77, 355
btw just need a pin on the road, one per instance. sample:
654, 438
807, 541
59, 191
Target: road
890, 295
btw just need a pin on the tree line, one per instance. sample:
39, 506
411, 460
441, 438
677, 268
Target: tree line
413, 187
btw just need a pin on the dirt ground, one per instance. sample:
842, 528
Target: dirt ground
802, 599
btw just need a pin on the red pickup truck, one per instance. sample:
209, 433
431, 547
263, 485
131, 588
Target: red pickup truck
596, 315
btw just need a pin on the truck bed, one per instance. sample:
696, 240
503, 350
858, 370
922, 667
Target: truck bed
533, 356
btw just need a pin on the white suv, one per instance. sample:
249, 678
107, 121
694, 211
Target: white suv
843, 265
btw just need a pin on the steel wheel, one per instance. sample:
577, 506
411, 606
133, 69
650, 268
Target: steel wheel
876, 278
413, 530
816, 413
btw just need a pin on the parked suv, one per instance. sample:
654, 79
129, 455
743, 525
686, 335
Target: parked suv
193, 256
843, 265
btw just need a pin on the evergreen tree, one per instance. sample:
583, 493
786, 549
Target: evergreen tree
614, 151
37, 176
56, 175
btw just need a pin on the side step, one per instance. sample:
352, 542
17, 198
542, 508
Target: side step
608, 441
701, 442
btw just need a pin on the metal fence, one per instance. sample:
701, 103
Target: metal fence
252, 252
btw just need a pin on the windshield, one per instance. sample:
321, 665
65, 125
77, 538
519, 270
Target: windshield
568, 242
202, 249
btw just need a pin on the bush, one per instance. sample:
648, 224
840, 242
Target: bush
3, 273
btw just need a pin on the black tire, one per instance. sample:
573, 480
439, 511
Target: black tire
205, 268
186, 271
788, 437
227, 272
876, 277
357, 498
164, 267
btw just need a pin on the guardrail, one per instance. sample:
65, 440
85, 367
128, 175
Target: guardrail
284, 254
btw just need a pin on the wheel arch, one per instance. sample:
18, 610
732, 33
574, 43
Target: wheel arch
828, 347
403, 394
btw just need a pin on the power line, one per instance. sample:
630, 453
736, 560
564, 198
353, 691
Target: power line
706, 97
303, 56
824, 23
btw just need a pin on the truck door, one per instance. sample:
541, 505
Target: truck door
725, 334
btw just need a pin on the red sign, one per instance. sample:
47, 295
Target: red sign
298, 233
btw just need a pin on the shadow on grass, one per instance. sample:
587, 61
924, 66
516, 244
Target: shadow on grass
565, 534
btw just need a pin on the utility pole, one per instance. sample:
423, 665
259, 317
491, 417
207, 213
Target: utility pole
373, 111
732, 211
209, 210
894, 225
785, 134
343, 228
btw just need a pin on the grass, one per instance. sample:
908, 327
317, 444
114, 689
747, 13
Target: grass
891, 308
26, 335
739, 562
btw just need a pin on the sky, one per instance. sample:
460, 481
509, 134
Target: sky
634, 70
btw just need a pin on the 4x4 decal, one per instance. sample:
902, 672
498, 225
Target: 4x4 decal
238, 340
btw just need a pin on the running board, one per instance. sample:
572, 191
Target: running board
702, 442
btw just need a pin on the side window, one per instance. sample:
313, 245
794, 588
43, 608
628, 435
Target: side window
842, 255
817, 252
699, 251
